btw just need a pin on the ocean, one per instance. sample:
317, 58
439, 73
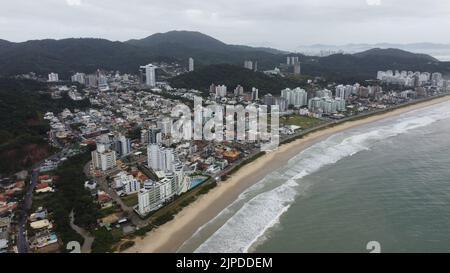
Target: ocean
388, 181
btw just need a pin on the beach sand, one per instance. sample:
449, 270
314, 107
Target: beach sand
170, 236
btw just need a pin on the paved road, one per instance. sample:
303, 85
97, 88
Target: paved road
103, 185
88, 239
135, 219
22, 242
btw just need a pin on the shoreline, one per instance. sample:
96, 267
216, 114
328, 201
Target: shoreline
170, 237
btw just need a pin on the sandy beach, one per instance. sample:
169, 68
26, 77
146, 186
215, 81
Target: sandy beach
170, 236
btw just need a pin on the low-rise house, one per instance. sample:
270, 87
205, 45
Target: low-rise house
40, 214
104, 199
5, 224
231, 155
2, 200
43, 177
20, 185
43, 239
43, 188
8, 208
49, 165
13, 191
212, 169
4, 242
127, 183
90, 185
41, 224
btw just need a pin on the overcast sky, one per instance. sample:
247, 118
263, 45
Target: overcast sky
283, 24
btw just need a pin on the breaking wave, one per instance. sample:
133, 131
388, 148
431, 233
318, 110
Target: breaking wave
248, 225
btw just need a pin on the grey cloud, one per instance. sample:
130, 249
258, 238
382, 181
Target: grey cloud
283, 23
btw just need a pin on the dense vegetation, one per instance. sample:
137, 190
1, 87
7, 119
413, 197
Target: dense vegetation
71, 195
86, 55
22, 129
206, 50
71, 55
103, 241
231, 76
346, 68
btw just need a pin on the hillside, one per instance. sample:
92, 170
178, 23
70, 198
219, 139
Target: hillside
86, 55
22, 129
191, 39
67, 56
197, 40
205, 49
439, 51
4, 42
231, 76
395, 53
71, 55
364, 65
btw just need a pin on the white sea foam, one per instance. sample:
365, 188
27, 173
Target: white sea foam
263, 211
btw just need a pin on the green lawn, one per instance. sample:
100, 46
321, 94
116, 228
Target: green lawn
117, 233
130, 200
302, 121
108, 211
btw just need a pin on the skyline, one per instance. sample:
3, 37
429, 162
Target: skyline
286, 25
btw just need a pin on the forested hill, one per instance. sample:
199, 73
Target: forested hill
22, 128
68, 56
231, 76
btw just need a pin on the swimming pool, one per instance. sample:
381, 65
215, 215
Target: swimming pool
197, 181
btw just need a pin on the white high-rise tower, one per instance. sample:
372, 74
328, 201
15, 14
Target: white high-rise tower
159, 158
150, 77
53, 77
191, 64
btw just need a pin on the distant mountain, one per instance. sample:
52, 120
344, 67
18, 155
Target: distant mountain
231, 76
439, 51
395, 53
4, 42
196, 40
87, 54
364, 65
353, 48
262, 49
205, 49
190, 39
70, 55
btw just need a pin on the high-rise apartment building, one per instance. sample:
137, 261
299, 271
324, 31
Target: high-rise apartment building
104, 160
122, 146
248, 65
191, 64
255, 94
221, 91
148, 75
296, 97
160, 158
79, 78
53, 77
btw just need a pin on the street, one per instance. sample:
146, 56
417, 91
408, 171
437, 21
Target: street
22, 241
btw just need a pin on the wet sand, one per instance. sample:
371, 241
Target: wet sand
169, 237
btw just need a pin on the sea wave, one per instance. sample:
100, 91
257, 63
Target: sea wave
248, 225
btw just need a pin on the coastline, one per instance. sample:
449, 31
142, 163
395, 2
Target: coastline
170, 236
